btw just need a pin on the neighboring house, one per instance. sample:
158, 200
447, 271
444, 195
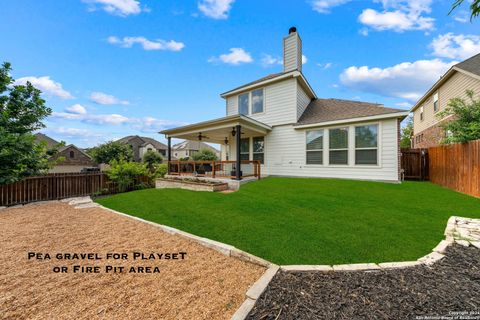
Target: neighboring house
140, 146
75, 159
279, 121
188, 148
427, 130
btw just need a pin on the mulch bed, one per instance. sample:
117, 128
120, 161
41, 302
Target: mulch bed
448, 286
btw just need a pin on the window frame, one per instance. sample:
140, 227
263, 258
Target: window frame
248, 150
340, 149
248, 103
315, 150
422, 117
253, 150
377, 148
436, 104
249, 94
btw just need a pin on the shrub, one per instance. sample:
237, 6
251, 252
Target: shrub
161, 170
204, 155
152, 158
127, 174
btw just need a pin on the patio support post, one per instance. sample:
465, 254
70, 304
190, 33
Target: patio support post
238, 136
169, 154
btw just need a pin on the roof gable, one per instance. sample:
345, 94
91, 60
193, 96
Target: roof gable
471, 65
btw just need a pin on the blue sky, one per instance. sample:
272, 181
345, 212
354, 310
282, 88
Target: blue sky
110, 68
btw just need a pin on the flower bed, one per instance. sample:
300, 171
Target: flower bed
191, 184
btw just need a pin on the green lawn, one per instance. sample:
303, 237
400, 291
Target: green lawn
310, 221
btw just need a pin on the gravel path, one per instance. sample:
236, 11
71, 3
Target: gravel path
450, 285
205, 285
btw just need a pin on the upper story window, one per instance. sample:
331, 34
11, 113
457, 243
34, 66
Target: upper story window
243, 103
435, 102
257, 101
338, 146
72, 154
421, 113
366, 144
315, 147
251, 102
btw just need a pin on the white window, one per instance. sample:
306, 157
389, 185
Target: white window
257, 101
243, 103
245, 149
338, 144
258, 149
315, 147
366, 145
421, 113
435, 102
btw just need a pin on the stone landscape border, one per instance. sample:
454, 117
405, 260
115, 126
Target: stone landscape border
460, 230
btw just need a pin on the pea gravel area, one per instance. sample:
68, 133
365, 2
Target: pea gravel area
205, 285
450, 287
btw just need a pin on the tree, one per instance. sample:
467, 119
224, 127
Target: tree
407, 132
112, 150
465, 125
152, 158
21, 113
474, 7
204, 155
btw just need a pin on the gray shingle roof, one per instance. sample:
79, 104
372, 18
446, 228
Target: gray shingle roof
155, 143
270, 76
323, 110
471, 65
193, 145
43, 137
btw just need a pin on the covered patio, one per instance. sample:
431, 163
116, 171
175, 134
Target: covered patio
228, 132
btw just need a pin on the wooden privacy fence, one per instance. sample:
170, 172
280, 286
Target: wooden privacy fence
59, 186
415, 164
456, 166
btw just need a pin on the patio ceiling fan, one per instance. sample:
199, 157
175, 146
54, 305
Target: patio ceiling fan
200, 136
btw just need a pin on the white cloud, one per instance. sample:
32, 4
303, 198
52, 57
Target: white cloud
145, 124
46, 85
268, 60
304, 59
324, 6
158, 44
116, 7
462, 16
74, 132
215, 9
399, 16
407, 80
76, 109
455, 46
235, 57
325, 66
405, 105
106, 99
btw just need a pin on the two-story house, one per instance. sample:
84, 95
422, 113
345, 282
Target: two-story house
279, 121
141, 145
186, 149
427, 125
73, 159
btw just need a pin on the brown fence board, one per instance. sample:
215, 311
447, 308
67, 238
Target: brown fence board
59, 186
456, 166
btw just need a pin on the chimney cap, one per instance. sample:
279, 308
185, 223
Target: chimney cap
292, 30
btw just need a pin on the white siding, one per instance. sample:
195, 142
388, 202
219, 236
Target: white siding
455, 86
302, 100
286, 155
280, 104
292, 52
